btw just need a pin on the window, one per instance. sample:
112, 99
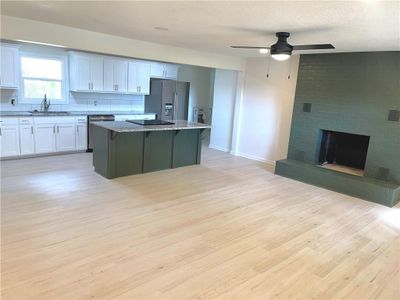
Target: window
43, 75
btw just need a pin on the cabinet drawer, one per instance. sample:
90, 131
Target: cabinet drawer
81, 119
58, 120
9, 121
25, 120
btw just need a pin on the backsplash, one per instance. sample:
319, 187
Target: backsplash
79, 102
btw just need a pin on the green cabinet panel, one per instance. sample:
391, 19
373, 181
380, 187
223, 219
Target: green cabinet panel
126, 153
186, 143
157, 150
100, 151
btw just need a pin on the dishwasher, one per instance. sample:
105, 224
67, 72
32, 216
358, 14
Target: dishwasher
96, 118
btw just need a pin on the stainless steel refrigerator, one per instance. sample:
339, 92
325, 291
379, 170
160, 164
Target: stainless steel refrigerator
169, 99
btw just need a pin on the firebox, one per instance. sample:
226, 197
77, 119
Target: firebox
344, 152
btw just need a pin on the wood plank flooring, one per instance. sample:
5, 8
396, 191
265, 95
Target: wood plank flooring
227, 229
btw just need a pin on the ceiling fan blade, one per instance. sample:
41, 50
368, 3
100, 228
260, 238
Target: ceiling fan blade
248, 47
313, 47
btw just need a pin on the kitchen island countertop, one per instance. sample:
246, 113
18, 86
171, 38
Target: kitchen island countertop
122, 126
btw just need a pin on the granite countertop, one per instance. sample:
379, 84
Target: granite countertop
70, 113
121, 126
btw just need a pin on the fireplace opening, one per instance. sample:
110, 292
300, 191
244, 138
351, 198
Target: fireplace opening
343, 152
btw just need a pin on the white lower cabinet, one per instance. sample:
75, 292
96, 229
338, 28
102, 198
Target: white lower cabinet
65, 137
9, 140
26, 135
81, 136
27, 139
54, 134
45, 138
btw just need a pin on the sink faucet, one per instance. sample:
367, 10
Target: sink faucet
45, 104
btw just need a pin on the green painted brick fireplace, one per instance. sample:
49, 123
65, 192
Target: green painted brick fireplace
352, 93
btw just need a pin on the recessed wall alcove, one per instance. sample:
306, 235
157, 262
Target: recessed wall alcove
343, 152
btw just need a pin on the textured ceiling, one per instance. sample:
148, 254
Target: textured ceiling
212, 26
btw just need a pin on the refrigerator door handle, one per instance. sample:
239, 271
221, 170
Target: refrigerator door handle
175, 105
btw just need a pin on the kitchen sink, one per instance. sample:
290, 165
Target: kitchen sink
50, 113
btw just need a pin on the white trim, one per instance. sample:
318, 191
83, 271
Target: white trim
253, 157
218, 148
64, 80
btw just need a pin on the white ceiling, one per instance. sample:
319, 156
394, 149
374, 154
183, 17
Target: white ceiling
366, 25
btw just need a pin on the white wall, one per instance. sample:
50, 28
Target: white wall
224, 99
200, 85
266, 109
13, 28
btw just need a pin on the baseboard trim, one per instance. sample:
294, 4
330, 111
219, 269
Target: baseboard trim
218, 148
23, 156
253, 157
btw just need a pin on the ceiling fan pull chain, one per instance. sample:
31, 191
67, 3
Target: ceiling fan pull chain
268, 62
290, 67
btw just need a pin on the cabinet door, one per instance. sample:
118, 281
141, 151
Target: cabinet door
83, 73
108, 75
8, 67
26, 134
10, 140
157, 150
45, 138
81, 136
157, 70
97, 73
143, 79
120, 76
133, 77
171, 71
65, 137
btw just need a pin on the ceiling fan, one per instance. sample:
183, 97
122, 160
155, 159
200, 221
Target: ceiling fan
282, 50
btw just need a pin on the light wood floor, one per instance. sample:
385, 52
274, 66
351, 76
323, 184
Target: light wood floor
228, 229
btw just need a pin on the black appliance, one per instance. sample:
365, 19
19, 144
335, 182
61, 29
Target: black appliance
169, 99
96, 118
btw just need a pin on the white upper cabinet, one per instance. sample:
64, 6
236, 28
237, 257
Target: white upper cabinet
86, 72
139, 77
9, 67
161, 70
171, 71
115, 75
108, 74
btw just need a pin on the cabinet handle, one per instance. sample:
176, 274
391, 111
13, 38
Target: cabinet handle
54, 129
31, 129
116, 87
58, 129
77, 129
0, 132
89, 85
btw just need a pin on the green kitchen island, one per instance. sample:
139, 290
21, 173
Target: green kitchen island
124, 148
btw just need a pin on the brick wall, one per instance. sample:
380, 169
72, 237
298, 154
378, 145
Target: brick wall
349, 92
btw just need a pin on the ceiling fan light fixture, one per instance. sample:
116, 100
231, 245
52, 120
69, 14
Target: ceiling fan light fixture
280, 56
263, 51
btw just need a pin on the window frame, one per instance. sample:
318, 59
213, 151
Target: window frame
64, 78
